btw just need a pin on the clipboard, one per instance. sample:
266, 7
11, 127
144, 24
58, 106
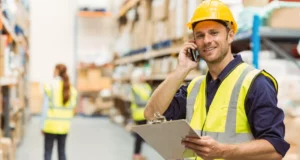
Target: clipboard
165, 137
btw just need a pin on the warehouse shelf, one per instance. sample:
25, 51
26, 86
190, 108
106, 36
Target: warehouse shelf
93, 14
121, 79
265, 32
269, 38
128, 6
148, 55
15, 110
8, 81
272, 33
121, 97
161, 77
25, 14
9, 29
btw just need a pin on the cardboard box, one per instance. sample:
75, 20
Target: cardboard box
255, 3
92, 80
105, 83
36, 98
93, 74
88, 106
82, 80
159, 10
101, 104
156, 66
35, 104
161, 32
82, 84
2, 69
165, 65
279, 19
178, 17
141, 34
172, 19
1, 154
149, 33
3, 44
144, 10
35, 89
99, 84
8, 148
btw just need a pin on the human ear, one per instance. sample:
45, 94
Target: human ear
230, 36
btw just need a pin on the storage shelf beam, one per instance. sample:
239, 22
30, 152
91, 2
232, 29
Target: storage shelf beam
93, 14
148, 55
279, 51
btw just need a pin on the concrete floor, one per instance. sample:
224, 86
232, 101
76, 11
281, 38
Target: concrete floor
89, 139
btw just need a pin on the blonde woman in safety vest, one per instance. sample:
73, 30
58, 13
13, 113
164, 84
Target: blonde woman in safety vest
233, 107
140, 94
58, 111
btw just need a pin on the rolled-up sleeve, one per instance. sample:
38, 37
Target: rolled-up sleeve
265, 117
177, 107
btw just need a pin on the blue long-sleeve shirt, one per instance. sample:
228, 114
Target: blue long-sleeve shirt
264, 116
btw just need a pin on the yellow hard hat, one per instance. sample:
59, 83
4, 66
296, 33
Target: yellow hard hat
213, 10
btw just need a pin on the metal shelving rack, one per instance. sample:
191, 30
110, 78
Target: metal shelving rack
6, 83
269, 38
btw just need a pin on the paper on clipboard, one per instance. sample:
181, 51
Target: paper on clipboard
166, 138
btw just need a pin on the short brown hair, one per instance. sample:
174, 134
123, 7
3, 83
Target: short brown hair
225, 24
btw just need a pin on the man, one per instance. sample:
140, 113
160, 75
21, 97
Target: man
233, 107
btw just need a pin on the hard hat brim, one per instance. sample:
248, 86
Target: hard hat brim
190, 24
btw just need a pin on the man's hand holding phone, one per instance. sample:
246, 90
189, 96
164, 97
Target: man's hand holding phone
188, 56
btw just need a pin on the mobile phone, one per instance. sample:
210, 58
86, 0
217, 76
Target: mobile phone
194, 54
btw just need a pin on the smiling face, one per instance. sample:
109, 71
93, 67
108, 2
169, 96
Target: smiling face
213, 41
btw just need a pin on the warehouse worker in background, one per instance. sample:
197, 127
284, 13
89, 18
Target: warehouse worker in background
141, 92
58, 111
234, 106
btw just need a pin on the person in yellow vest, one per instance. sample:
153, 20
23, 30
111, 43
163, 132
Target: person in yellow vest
140, 94
58, 111
233, 107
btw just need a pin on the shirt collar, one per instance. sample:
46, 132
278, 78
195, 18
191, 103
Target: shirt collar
235, 62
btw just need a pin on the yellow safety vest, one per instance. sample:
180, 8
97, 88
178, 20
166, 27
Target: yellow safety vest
59, 116
140, 95
226, 120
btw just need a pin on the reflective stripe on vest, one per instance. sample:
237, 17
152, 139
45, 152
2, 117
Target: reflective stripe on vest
230, 135
226, 120
141, 95
58, 119
59, 112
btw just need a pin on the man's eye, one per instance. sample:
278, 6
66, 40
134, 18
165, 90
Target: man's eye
214, 33
200, 36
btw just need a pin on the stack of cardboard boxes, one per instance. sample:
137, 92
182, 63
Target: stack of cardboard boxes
96, 104
3, 41
278, 17
90, 80
36, 98
159, 20
142, 28
159, 17
8, 149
